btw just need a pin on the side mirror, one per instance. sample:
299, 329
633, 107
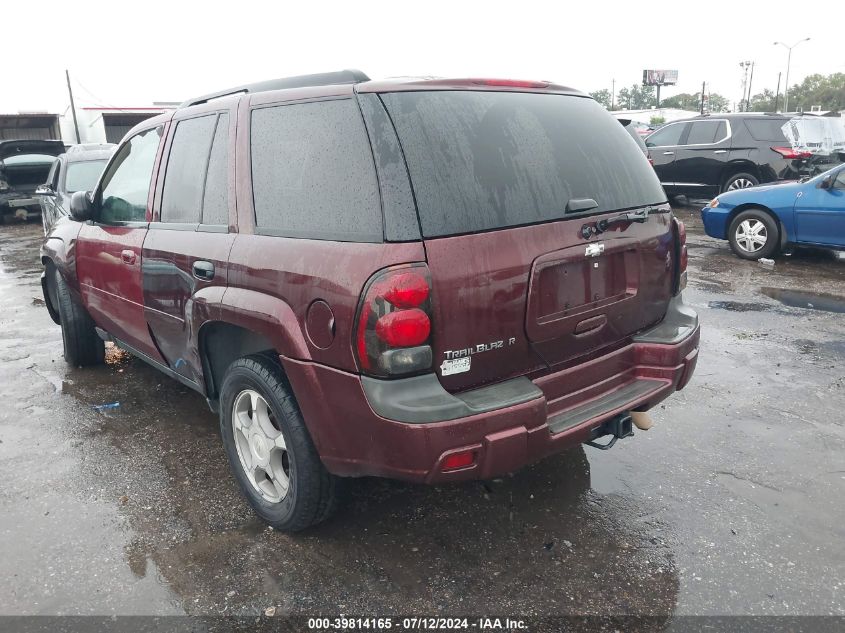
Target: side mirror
45, 190
827, 182
81, 207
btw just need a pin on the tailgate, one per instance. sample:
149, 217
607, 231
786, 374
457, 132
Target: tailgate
514, 301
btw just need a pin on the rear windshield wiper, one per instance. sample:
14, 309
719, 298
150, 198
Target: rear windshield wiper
633, 216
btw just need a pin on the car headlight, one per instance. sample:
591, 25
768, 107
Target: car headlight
713, 203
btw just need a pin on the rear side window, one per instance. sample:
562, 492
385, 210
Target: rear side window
313, 174
185, 175
766, 129
487, 160
706, 132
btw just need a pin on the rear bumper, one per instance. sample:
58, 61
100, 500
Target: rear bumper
346, 417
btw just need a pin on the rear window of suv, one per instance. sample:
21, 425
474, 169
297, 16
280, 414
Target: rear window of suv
766, 129
489, 160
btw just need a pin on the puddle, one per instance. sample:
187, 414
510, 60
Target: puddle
739, 306
808, 300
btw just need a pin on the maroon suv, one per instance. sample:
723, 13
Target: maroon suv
431, 280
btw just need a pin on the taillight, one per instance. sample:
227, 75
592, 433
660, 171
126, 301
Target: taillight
394, 322
792, 154
683, 255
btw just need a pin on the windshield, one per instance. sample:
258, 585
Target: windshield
487, 160
83, 176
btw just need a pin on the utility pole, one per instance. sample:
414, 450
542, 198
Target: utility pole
702, 97
72, 108
750, 80
744, 66
612, 94
777, 94
788, 63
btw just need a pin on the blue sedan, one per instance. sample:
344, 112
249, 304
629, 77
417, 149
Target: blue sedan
759, 221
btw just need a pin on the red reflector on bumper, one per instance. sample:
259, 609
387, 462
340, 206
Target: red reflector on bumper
458, 460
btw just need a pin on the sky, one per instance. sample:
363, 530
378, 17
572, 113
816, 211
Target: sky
123, 54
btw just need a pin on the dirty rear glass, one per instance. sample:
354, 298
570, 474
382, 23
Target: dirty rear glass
488, 160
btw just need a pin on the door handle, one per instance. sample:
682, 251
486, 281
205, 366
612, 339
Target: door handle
720, 151
203, 270
668, 153
128, 256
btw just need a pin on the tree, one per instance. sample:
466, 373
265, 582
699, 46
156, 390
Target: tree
602, 96
637, 97
763, 102
828, 92
683, 101
692, 101
717, 103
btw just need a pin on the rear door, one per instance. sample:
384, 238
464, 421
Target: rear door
700, 160
516, 286
187, 248
662, 146
109, 249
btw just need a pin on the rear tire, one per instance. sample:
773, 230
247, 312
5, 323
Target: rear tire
740, 181
269, 448
82, 346
754, 234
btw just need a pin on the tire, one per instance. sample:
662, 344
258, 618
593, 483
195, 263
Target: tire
745, 232
288, 487
82, 346
740, 181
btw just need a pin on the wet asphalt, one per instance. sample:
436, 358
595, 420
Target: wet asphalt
731, 504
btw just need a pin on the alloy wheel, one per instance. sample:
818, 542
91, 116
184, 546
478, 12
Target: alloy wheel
740, 183
751, 235
261, 446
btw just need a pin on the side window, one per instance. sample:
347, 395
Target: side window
839, 183
313, 173
704, 132
215, 202
127, 184
184, 178
665, 136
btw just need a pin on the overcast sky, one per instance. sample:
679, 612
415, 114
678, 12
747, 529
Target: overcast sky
131, 54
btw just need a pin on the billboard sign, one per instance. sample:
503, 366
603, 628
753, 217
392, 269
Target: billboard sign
660, 77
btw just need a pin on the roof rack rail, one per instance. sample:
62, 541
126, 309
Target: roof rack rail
350, 76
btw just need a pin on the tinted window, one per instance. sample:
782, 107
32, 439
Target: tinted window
215, 203
83, 176
126, 186
185, 176
704, 132
766, 129
312, 172
487, 160
667, 135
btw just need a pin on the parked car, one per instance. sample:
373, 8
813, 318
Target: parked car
24, 166
76, 170
430, 280
704, 156
760, 221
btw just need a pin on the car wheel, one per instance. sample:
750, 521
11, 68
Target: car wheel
269, 449
82, 345
740, 181
754, 234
